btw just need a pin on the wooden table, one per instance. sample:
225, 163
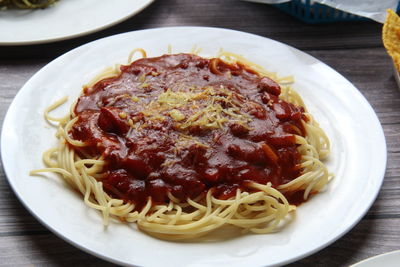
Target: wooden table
353, 49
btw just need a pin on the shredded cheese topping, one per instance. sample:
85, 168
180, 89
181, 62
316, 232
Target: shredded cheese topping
207, 108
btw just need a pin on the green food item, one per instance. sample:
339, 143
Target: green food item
26, 4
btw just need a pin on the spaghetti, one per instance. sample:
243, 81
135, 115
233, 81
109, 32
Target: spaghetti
183, 145
26, 4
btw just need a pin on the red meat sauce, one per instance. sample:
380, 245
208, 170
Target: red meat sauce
145, 161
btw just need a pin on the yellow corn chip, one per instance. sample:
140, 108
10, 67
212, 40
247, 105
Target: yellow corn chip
391, 36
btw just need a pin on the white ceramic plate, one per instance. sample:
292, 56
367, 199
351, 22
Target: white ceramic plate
358, 153
390, 259
63, 20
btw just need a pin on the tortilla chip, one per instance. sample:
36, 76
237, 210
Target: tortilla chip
391, 36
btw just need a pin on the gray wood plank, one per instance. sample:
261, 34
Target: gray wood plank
43, 250
260, 19
353, 49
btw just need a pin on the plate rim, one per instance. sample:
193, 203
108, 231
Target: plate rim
379, 256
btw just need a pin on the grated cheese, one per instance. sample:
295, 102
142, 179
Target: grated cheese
176, 115
206, 108
122, 115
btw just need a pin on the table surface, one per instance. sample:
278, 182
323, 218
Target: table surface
354, 49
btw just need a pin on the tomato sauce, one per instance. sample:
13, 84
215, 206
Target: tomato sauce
149, 157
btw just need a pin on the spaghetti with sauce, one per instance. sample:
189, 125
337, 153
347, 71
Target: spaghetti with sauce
26, 4
183, 145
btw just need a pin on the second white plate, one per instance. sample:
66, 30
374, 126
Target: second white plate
64, 20
390, 259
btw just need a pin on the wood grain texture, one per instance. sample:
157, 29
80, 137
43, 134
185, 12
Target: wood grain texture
254, 18
353, 49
